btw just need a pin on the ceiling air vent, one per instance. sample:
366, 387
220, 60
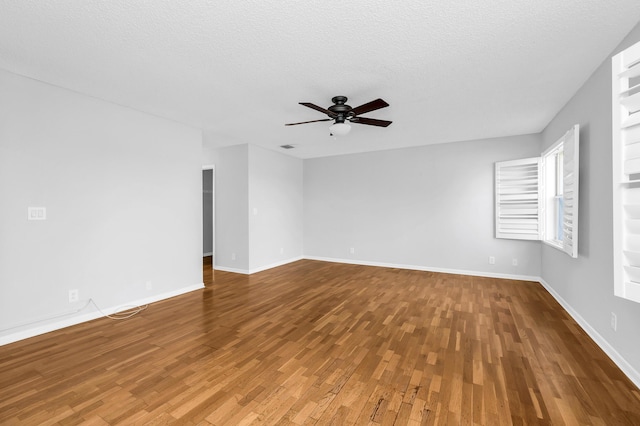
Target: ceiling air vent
287, 146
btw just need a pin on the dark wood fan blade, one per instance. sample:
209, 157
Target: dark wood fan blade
317, 108
305, 122
370, 121
370, 106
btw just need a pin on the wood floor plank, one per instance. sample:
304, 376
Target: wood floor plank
322, 343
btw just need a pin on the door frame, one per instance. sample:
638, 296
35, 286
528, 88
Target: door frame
212, 167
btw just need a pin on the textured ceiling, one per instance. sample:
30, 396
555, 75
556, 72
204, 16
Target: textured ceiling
451, 69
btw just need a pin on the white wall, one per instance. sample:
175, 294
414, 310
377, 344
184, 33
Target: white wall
585, 284
428, 207
275, 203
258, 207
123, 196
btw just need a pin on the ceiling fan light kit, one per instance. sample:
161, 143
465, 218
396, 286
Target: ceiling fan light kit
339, 129
340, 113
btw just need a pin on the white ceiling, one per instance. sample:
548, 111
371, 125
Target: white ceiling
451, 69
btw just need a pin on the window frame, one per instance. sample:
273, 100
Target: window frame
553, 194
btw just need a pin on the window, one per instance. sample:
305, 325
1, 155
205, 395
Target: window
626, 172
537, 198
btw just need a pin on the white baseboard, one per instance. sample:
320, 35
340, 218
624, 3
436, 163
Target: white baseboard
382, 265
67, 320
275, 265
207, 254
427, 268
622, 363
234, 270
259, 269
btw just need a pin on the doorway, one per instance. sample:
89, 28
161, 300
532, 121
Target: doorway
208, 216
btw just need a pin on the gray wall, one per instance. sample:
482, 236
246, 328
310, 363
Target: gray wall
428, 207
122, 192
585, 284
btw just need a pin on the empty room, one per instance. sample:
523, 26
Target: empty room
381, 213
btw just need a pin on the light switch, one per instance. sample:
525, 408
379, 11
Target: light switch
37, 213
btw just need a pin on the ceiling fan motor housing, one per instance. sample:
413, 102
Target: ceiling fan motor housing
340, 108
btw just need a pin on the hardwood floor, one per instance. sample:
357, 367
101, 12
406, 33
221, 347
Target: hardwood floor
321, 343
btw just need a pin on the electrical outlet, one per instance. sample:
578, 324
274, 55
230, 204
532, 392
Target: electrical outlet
74, 296
492, 260
36, 213
352, 250
149, 285
614, 321
514, 261
233, 256
281, 250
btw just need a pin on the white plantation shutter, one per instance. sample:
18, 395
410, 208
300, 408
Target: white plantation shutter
570, 191
626, 172
518, 199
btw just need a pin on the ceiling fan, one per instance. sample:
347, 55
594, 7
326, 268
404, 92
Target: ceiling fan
340, 112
